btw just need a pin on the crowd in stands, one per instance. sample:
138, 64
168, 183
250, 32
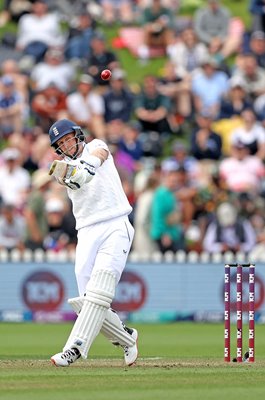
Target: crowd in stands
189, 144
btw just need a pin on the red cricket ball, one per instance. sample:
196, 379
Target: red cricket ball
105, 74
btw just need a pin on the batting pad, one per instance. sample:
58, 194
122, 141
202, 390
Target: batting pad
113, 330
112, 327
100, 291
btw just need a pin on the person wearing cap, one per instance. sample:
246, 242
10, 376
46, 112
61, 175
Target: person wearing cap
12, 107
242, 172
60, 235
118, 98
86, 106
105, 235
228, 231
14, 179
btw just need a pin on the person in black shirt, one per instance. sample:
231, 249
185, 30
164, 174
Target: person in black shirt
205, 144
100, 58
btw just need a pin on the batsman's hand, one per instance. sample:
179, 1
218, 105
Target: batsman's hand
83, 173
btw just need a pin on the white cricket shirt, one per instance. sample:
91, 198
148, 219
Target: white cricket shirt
103, 198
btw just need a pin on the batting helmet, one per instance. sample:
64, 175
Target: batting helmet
61, 128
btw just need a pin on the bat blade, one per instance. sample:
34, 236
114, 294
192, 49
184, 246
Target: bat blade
61, 170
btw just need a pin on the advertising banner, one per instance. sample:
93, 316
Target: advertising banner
147, 292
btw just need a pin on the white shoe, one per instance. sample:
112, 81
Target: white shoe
66, 358
131, 353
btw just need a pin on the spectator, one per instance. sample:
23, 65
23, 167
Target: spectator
59, 236
252, 75
117, 10
185, 192
235, 100
181, 158
259, 108
86, 107
38, 30
130, 142
100, 59
205, 143
211, 25
208, 87
143, 244
80, 33
34, 210
257, 9
152, 108
12, 228
242, 172
177, 87
118, 99
48, 105
10, 68
166, 228
186, 52
229, 232
12, 107
52, 69
157, 24
251, 134
255, 44
15, 180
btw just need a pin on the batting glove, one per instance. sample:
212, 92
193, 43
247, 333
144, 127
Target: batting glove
82, 174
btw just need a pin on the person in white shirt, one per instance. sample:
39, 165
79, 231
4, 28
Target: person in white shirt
14, 180
105, 235
39, 30
53, 69
12, 228
251, 134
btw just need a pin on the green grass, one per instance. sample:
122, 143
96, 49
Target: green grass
176, 361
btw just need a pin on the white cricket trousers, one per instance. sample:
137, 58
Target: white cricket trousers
102, 246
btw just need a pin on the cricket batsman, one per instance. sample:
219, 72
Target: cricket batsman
105, 235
